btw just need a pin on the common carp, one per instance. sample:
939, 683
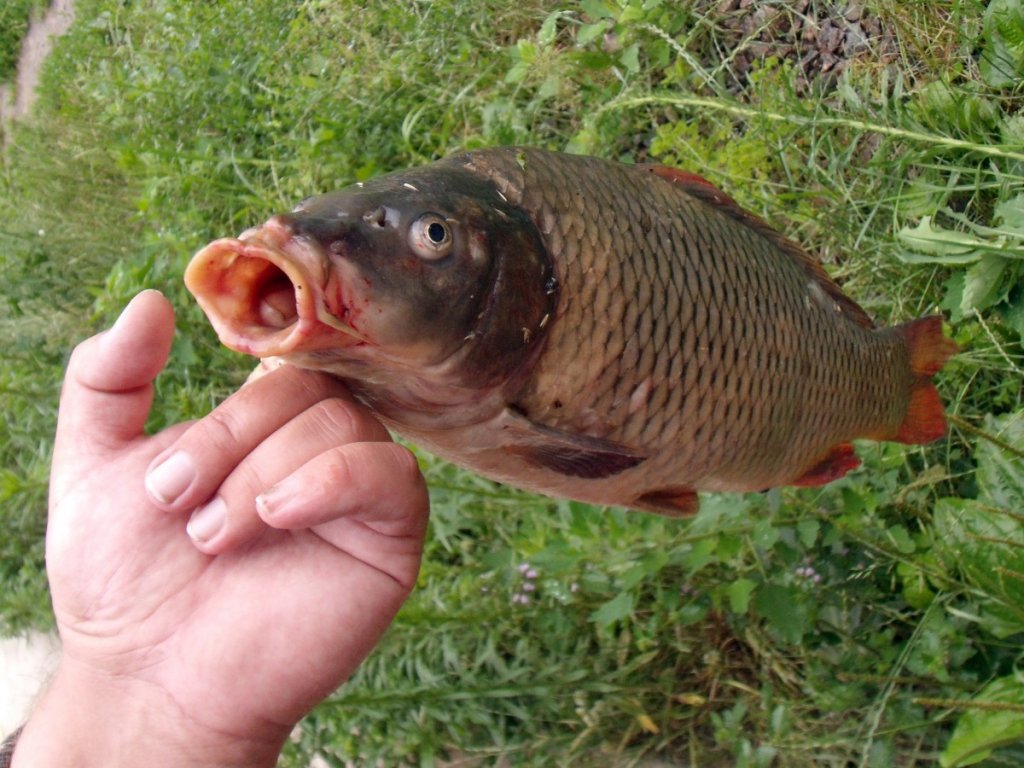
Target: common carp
623, 335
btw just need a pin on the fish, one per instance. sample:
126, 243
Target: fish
623, 335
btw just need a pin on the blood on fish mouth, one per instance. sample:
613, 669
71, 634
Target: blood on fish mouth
263, 299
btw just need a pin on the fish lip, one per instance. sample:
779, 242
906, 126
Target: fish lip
227, 278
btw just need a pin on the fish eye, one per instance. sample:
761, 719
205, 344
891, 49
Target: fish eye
430, 237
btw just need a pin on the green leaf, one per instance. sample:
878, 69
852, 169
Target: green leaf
550, 87
780, 606
728, 547
808, 531
526, 51
900, 538
916, 591
1002, 58
692, 613
549, 29
983, 284
702, 554
1010, 213
739, 595
987, 546
980, 731
589, 32
596, 9
616, 609
983, 538
765, 534
943, 246
517, 72
954, 297
1001, 474
630, 58
1013, 316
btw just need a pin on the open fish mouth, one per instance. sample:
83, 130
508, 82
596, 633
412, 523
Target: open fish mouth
264, 294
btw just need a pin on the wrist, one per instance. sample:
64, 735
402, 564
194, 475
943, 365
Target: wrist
88, 719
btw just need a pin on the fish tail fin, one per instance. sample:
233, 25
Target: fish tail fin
929, 348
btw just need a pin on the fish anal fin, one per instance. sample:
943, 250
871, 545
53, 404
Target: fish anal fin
929, 349
705, 191
839, 460
671, 502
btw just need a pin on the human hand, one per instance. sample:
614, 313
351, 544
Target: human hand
208, 650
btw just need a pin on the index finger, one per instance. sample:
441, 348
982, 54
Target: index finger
188, 473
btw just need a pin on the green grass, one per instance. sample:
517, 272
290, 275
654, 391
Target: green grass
848, 625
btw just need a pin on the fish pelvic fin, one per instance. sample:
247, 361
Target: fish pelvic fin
671, 502
929, 348
839, 460
703, 190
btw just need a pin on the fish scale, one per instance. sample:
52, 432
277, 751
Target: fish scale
722, 289
616, 334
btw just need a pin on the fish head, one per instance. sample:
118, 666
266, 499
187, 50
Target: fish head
430, 273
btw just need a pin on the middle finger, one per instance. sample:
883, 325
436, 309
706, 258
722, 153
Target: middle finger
231, 517
187, 473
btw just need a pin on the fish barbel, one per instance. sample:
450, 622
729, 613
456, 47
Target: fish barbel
623, 335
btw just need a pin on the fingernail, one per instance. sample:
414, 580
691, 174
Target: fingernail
273, 500
123, 317
169, 479
207, 521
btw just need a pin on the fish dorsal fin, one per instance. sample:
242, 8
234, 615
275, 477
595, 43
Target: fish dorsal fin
708, 193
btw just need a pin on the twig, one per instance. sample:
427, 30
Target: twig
968, 427
986, 706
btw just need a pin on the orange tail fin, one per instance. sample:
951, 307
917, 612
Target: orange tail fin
929, 350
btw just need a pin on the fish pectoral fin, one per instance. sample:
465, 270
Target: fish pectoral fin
589, 458
839, 460
671, 502
585, 463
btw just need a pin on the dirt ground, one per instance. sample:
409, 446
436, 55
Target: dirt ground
16, 98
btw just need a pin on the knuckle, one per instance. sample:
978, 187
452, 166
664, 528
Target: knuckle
406, 465
220, 430
80, 362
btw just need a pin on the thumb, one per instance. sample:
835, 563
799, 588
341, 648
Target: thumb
108, 388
